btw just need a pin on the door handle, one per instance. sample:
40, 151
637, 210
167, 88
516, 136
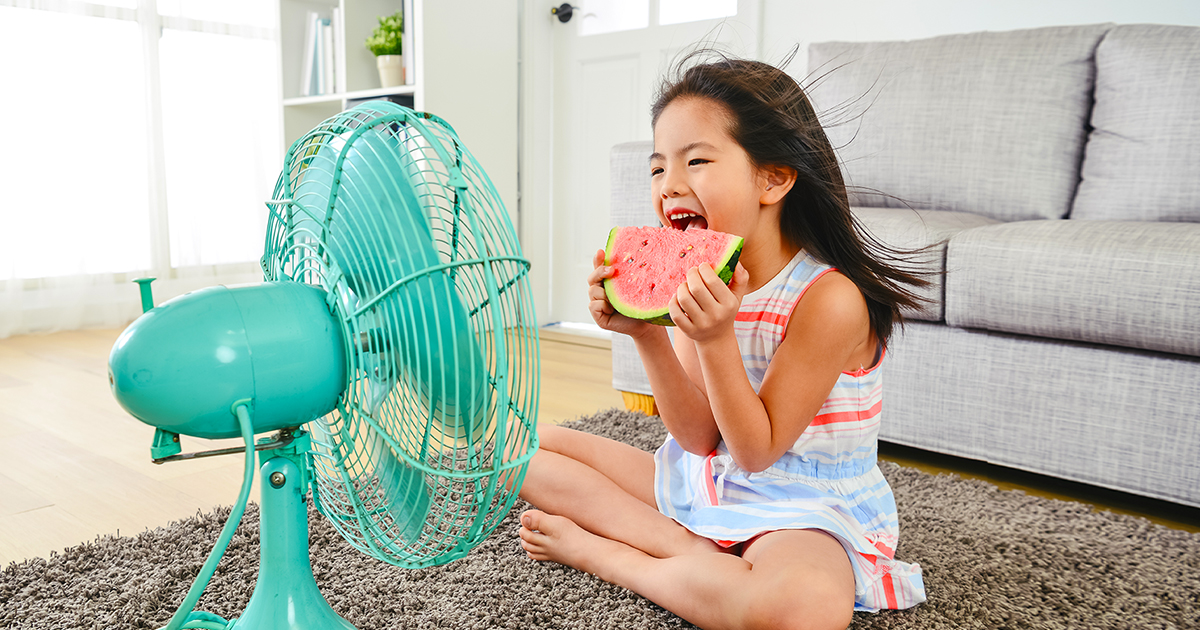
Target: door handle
564, 12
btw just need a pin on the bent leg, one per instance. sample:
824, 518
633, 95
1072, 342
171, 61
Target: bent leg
563, 485
791, 579
631, 468
811, 573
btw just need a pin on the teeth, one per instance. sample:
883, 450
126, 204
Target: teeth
682, 220
682, 217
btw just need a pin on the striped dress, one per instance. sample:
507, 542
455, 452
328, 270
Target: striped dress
828, 480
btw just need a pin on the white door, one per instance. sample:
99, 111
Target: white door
607, 63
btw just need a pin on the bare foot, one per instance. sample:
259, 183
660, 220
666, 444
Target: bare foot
559, 539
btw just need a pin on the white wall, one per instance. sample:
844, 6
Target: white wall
786, 23
470, 80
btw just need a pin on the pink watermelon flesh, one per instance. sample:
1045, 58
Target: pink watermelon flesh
649, 264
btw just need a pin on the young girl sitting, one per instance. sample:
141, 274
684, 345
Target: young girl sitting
764, 508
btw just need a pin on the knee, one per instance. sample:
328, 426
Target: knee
535, 472
809, 607
551, 436
564, 441
545, 468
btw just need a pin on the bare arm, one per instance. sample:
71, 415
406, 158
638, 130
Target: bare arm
677, 390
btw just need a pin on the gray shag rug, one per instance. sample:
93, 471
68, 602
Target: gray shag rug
991, 558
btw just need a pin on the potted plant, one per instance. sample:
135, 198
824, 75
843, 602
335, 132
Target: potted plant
386, 44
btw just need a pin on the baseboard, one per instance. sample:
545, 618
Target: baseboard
577, 334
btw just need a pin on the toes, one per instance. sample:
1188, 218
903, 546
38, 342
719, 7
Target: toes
534, 539
532, 519
531, 544
531, 540
545, 536
530, 536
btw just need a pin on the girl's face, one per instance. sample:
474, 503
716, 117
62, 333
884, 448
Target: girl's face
700, 176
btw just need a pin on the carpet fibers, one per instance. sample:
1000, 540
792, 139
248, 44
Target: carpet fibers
992, 559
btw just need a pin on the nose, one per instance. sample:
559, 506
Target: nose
672, 186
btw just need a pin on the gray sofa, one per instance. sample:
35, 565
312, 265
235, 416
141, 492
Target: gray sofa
1057, 173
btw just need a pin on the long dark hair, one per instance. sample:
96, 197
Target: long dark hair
774, 122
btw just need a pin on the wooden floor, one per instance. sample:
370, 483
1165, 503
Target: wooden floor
74, 465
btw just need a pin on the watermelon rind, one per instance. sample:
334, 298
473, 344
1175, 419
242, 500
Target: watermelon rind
724, 265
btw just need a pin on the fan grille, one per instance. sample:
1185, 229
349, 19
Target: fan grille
387, 211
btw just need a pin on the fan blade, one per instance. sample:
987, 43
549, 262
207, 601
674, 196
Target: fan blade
405, 496
380, 239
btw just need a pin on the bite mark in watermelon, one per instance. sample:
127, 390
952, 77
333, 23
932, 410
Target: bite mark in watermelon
649, 264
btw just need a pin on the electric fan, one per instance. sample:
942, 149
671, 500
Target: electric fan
392, 350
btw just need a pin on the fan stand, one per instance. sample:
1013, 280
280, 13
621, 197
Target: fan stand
286, 594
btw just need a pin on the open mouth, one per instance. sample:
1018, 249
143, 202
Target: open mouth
687, 221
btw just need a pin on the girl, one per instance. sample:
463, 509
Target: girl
764, 508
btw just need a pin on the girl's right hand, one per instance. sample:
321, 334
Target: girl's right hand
602, 310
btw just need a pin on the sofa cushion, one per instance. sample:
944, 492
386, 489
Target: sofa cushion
988, 123
1142, 161
906, 229
1124, 283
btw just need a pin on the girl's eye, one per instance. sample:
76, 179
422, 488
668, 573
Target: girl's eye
697, 161
655, 171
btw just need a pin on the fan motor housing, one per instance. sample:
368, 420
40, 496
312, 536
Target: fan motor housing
182, 365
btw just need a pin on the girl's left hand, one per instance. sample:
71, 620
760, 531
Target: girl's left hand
704, 307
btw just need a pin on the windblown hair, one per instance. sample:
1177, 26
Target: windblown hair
774, 122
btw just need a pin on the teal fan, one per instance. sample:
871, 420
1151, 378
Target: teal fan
392, 350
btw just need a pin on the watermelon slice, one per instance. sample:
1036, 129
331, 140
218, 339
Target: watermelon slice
649, 264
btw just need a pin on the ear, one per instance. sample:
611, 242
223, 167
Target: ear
776, 182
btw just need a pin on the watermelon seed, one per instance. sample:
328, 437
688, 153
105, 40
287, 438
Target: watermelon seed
630, 259
691, 246
645, 243
643, 264
652, 284
682, 254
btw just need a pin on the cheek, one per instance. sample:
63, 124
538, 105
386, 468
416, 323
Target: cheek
656, 184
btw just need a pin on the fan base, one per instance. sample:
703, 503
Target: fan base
286, 594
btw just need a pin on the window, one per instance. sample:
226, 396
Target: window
236, 12
135, 151
221, 143
75, 167
610, 16
680, 11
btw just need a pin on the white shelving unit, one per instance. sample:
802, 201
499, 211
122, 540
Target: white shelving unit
355, 65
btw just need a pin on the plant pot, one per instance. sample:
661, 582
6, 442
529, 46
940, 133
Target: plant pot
391, 70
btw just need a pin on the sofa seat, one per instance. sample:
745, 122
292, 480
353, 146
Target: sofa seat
1123, 283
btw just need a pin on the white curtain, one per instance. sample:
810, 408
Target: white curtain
142, 138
